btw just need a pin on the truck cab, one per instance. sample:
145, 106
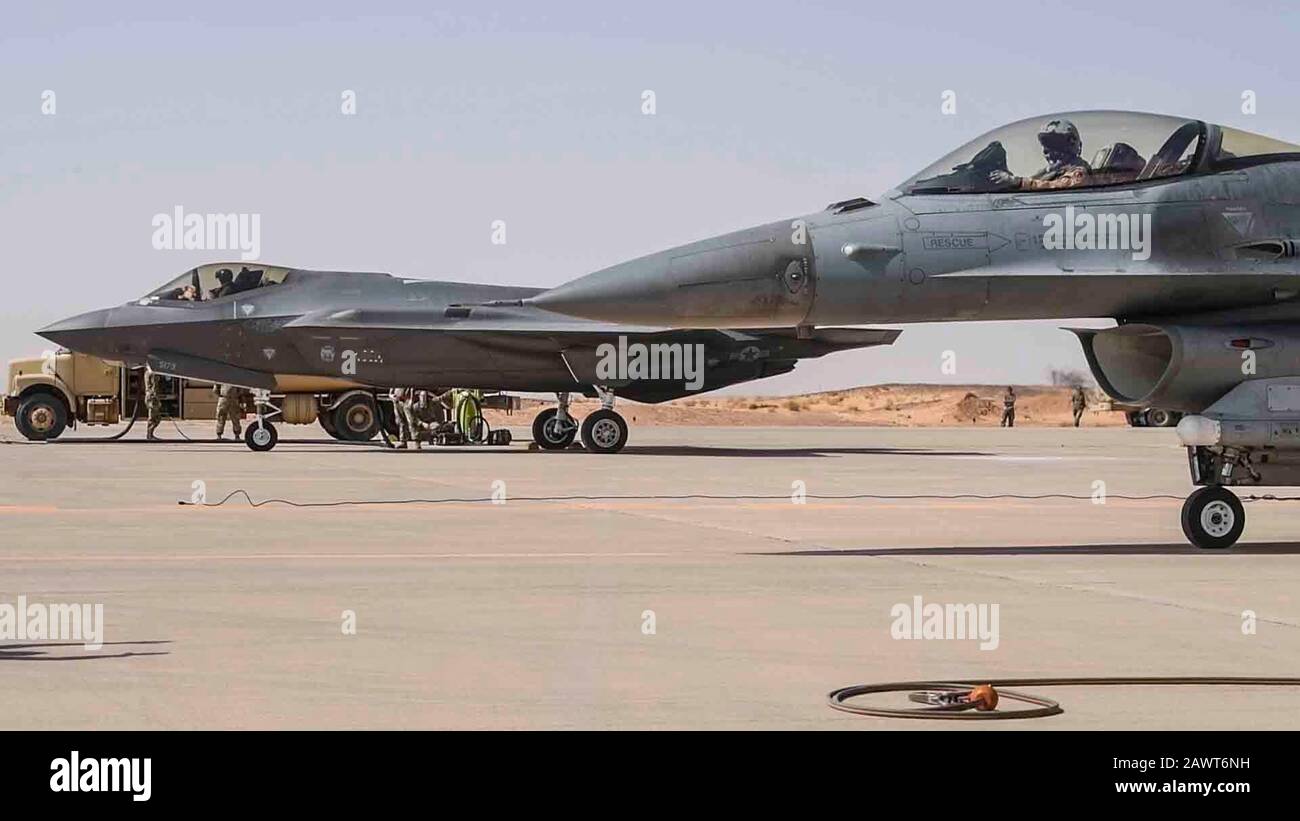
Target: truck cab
59, 389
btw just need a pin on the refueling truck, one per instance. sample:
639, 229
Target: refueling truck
50, 393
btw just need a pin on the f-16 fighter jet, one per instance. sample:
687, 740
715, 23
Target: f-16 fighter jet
265, 326
1184, 232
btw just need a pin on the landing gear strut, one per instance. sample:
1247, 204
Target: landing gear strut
261, 435
604, 431
1213, 518
554, 428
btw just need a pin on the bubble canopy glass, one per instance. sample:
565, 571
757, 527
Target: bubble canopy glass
208, 282
1118, 147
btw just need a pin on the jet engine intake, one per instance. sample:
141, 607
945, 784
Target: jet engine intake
1185, 367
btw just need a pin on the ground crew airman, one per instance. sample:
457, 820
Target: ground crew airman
153, 401
1009, 408
1078, 402
402, 399
423, 411
230, 406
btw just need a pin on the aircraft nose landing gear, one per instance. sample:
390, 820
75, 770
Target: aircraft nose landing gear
1213, 518
261, 435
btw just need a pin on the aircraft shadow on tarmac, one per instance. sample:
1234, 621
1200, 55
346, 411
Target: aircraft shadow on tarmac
1257, 549
42, 651
632, 450
693, 450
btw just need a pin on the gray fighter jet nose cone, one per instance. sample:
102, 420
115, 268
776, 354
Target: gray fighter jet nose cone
84, 333
623, 293
758, 277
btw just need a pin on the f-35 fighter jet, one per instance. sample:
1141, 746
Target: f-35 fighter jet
262, 326
1185, 232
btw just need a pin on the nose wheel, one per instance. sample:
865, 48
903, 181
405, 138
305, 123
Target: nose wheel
1213, 518
261, 435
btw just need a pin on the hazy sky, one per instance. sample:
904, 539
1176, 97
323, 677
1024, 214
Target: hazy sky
532, 114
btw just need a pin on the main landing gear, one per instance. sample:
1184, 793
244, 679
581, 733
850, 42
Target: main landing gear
261, 435
603, 431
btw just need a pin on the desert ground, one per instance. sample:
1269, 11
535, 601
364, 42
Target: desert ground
876, 405
741, 610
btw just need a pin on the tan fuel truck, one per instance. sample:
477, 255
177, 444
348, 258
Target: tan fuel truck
47, 394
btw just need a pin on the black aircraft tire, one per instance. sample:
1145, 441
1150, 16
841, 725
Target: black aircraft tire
41, 416
261, 438
604, 432
545, 435
1213, 518
357, 419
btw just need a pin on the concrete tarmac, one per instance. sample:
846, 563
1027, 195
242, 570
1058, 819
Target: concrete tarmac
637, 613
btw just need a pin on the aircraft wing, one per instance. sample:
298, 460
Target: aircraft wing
503, 322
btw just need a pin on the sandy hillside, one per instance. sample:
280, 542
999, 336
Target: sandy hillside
889, 405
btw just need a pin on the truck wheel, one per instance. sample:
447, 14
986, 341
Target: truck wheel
1213, 518
357, 419
261, 438
41, 416
1161, 418
326, 419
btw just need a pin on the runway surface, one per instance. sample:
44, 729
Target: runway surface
534, 614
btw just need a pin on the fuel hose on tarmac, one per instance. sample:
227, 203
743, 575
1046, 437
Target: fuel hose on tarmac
942, 697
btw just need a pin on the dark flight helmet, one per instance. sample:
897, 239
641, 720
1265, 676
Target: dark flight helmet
1060, 138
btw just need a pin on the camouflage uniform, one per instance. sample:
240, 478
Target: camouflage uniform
1065, 168
1070, 174
1008, 409
230, 406
1078, 402
153, 401
402, 399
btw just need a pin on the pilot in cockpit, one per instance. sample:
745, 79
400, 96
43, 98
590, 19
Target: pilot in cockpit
1065, 168
224, 277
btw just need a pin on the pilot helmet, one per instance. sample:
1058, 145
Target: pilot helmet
224, 275
1060, 138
